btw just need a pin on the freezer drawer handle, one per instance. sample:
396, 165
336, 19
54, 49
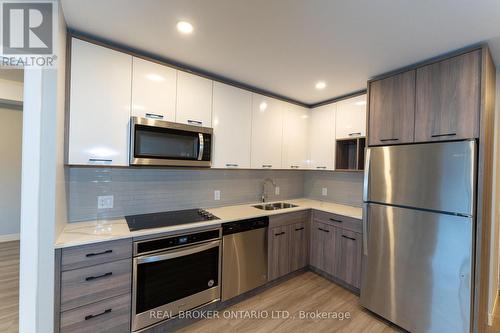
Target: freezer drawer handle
323, 230
98, 254
344, 236
298, 229
440, 135
279, 233
335, 220
98, 315
90, 278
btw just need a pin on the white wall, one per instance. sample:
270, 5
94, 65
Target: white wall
11, 125
495, 227
41, 209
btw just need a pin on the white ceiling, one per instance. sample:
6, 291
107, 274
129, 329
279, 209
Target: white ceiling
285, 46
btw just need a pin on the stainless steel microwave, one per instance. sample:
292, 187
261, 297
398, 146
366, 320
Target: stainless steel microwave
163, 143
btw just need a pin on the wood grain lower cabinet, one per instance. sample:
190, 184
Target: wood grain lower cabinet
109, 316
349, 257
94, 288
324, 247
279, 252
336, 247
298, 246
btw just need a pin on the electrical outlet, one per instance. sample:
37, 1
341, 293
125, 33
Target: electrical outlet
277, 190
105, 201
324, 191
217, 195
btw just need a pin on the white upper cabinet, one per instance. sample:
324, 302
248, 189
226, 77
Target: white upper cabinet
194, 100
295, 137
100, 95
232, 123
351, 117
154, 89
267, 132
322, 137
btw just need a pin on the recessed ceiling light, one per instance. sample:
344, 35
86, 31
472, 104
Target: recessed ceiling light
263, 106
155, 77
320, 85
185, 27
360, 103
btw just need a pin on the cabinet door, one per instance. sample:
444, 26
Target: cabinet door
351, 118
194, 100
349, 257
392, 110
322, 137
316, 247
267, 132
448, 94
330, 248
279, 256
100, 94
295, 137
232, 122
154, 89
298, 246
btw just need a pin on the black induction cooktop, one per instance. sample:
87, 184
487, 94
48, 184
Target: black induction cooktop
167, 219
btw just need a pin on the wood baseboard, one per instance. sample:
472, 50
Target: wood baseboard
9, 238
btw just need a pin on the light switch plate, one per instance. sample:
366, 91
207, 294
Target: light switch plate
217, 195
277, 190
105, 201
324, 191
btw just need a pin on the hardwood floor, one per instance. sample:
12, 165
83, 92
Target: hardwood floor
496, 320
9, 287
307, 292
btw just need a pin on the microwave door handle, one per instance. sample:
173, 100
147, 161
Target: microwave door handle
201, 146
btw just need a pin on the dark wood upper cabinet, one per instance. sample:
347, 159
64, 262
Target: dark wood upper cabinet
392, 109
448, 99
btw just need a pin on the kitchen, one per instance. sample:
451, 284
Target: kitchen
198, 199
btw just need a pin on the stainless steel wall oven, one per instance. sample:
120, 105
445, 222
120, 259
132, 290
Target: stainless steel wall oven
173, 274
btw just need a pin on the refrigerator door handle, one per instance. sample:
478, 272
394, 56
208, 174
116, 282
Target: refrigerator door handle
367, 175
365, 229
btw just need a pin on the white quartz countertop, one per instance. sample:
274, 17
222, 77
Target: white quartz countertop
81, 233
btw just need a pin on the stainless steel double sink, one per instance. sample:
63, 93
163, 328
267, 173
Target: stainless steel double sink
275, 206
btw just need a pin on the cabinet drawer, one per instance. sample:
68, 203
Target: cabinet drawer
94, 254
340, 221
288, 218
110, 316
91, 284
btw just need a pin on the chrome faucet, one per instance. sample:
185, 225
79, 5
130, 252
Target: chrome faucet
264, 193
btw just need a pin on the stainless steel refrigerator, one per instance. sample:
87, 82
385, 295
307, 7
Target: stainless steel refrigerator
418, 235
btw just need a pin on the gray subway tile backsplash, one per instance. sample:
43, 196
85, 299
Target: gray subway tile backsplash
147, 190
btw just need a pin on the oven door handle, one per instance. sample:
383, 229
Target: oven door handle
177, 253
201, 146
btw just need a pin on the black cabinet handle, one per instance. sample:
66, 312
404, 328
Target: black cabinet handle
440, 135
324, 230
90, 278
154, 116
384, 140
194, 122
98, 254
335, 220
344, 236
298, 229
97, 315
357, 133
280, 233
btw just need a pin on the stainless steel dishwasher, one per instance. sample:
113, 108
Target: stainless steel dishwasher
244, 256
